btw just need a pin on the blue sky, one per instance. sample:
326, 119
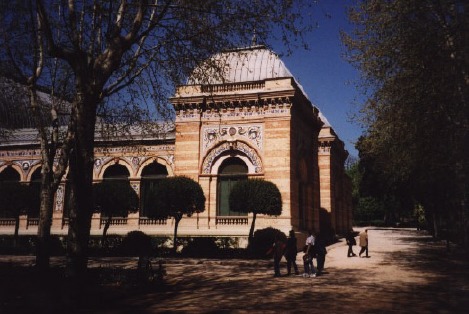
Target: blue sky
325, 75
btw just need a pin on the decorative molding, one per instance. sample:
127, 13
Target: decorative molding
21, 153
234, 147
325, 146
252, 133
59, 198
131, 149
136, 187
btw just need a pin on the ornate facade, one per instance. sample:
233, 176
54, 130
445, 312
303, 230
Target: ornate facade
252, 121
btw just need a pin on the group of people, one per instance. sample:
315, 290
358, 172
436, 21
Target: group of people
363, 241
314, 248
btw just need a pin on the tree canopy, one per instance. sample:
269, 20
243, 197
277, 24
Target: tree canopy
256, 196
413, 57
114, 198
175, 197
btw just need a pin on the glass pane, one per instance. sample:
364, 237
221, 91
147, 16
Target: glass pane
231, 171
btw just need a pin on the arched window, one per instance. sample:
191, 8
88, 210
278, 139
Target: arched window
9, 181
150, 175
116, 172
9, 175
231, 171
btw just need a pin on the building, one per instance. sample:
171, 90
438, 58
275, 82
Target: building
251, 120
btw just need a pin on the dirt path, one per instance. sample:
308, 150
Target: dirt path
406, 273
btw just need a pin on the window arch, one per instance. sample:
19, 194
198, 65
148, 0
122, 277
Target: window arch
150, 175
231, 171
9, 179
9, 175
116, 172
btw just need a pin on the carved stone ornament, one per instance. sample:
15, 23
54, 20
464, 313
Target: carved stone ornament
240, 147
59, 198
253, 134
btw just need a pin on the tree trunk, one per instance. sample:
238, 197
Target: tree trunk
45, 224
251, 231
177, 219
105, 229
17, 228
81, 179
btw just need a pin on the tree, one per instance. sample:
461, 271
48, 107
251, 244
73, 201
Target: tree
122, 56
23, 60
17, 199
256, 196
175, 197
413, 58
114, 198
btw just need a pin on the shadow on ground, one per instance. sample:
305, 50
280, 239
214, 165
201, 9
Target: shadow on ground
425, 279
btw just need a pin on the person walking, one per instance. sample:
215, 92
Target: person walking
277, 249
290, 253
320, 248
350, 242
309, 251
363, 243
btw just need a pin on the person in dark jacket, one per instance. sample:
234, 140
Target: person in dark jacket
350, 238
320, 253
290, 253
277, 250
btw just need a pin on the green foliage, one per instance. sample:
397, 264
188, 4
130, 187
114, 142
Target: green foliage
368, 209
413, 58
263, 240
114, 198
175, 197
256, 196
419, 214
18, 198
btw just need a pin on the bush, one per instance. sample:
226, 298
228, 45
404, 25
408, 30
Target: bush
201, 247
263, 240
137, 243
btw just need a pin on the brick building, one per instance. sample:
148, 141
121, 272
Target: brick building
250, 120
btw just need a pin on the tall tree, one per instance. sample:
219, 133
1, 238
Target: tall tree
132, 52
114, 198
23, 59
256, 196
175, 197
413, 56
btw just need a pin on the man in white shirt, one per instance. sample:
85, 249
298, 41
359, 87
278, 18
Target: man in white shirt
310, 271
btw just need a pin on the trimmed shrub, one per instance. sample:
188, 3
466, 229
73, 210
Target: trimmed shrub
263, 240
201, 247
137, 243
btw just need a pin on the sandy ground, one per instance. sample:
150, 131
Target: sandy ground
407, 272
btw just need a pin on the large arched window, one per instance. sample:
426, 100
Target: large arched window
9, 180
116, 172
9, 175
231, 171
150, 175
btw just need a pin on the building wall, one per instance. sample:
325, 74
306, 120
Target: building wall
335, 186
270, 125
